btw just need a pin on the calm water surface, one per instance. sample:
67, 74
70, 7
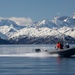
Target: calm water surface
20, 60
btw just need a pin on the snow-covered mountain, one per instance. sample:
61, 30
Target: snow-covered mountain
43, 29
8, 28
49, 27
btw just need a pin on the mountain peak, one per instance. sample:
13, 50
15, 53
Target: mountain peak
6, 22
73, 16
10, 23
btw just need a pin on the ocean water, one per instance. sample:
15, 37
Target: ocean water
22, 60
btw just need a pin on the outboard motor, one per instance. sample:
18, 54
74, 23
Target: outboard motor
37, 50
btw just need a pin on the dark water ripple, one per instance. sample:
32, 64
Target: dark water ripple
37, 66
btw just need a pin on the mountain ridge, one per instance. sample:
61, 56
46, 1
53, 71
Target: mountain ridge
58, 26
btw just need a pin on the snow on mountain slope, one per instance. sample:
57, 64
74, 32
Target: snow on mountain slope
10, 23
59, 24
3, 36
8, 31
8, 27
73, 16
71, 33
33, 32
44, 23
43, 32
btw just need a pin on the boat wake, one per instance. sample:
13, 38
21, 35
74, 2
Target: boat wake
40, 54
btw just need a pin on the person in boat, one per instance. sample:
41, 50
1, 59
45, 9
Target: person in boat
67, 45
59, 45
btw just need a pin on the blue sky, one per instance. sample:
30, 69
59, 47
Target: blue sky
36, 9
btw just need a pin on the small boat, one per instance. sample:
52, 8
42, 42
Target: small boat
64, 52
67, 52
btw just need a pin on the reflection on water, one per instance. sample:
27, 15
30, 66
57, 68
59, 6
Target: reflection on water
35, 66
52, 65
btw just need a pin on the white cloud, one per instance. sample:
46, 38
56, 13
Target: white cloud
20, 20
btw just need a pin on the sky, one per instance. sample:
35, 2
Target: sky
36, 9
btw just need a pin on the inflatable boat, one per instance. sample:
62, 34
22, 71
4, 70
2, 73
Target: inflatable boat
67, 52
64, 52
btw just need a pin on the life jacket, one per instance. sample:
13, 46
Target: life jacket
59, 46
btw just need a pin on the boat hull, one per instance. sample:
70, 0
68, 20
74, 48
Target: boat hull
64, 52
